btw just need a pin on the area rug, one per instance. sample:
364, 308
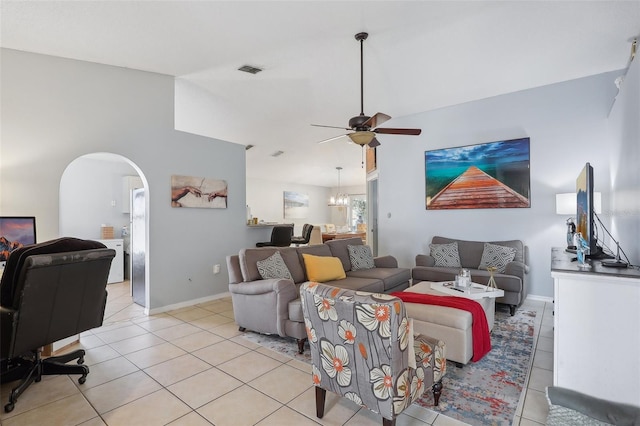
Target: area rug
481, 393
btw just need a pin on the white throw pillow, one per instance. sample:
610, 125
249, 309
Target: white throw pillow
498, 256
273, 267
361, 257
445, 255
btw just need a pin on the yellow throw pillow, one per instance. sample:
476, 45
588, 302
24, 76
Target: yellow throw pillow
323, 268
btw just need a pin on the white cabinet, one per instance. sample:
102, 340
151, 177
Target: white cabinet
116, 273
596, 329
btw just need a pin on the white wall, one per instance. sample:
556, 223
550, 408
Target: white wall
55, 110
567, 126
624, 155
265, 198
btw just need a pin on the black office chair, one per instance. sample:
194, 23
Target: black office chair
49, 291
305, 237
281, 236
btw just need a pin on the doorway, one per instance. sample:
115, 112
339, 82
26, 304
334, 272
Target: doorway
94, 192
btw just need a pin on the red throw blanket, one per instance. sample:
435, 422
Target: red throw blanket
479, 328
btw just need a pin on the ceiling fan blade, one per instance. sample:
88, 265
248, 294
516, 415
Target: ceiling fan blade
331, 127
392, 131
333, 138
377, 119
374, 142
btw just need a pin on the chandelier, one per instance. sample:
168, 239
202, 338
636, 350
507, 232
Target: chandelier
339, 199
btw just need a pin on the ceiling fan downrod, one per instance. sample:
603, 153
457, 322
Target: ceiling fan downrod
361, 37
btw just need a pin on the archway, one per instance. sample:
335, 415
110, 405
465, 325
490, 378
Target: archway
95, 190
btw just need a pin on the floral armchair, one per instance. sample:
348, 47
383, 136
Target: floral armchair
362, 348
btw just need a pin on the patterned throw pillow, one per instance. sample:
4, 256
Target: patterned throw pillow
361, 257
273, 267
445, 254
498, 256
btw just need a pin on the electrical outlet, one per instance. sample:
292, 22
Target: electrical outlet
216, 268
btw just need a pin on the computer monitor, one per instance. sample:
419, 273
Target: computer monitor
15, 232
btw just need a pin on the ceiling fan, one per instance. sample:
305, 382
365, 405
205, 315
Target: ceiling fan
363, 127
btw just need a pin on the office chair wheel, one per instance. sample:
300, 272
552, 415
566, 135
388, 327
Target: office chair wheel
81, 360
9, 407
82, 379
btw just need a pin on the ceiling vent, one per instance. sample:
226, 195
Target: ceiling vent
250, 69
248, 147
277, 153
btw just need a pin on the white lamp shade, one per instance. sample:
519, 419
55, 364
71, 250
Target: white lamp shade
566, 203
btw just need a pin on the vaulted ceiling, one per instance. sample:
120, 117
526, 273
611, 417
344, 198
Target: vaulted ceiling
420, 55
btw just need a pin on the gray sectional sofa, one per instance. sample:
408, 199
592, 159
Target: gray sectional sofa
513, 280
272, 306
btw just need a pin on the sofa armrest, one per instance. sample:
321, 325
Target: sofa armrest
263, 305
8, 316
264, 286
433, 350
425, 260
385, 262
516, 268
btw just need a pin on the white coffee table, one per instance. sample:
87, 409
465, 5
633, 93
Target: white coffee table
474, 292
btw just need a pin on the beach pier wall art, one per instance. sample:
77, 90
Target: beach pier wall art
482, 176
296, 205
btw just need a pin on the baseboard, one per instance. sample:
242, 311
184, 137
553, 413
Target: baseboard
187, 303
540, 298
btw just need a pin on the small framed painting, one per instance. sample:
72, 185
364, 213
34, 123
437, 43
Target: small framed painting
296, 205
483, 176
199, 192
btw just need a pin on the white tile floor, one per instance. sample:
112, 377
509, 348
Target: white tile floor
190, 367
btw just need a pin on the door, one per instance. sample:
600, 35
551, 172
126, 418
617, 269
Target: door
138, 250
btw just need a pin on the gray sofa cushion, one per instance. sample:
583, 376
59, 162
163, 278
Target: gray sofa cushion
339, 249
437, 273
250, 256
391, 277
373, 285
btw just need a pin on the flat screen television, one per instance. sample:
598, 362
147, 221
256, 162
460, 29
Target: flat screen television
584, 209
16, 232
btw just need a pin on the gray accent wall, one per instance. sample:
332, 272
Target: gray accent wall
55, 110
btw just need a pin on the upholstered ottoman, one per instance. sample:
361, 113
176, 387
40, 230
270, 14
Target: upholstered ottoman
451, 325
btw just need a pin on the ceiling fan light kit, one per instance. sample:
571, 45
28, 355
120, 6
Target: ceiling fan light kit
364, 128
362, 138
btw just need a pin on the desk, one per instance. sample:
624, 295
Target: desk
326, 236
